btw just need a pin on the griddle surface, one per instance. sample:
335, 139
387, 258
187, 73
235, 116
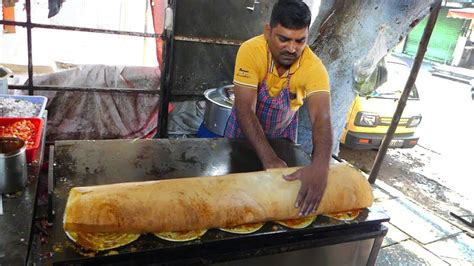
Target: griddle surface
84, 163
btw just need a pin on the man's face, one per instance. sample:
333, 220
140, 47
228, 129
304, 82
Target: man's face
286, 45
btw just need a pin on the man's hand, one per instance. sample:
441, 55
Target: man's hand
314, 177
313, 184
273, 162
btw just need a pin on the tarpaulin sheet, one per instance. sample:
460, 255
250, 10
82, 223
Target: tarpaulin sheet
186, 118
101, 115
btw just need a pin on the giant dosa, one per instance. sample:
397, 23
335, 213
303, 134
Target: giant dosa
207, 202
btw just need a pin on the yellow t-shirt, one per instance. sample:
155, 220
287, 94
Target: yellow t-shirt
254, 65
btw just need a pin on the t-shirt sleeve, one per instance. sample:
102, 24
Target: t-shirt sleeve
317, 79
245, 72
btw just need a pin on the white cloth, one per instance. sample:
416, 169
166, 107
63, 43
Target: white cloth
101, 115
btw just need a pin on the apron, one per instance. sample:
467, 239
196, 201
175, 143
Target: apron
274, 113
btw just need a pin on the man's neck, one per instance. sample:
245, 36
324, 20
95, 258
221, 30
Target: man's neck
281, 69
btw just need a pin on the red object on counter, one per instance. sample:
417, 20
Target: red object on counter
27, 129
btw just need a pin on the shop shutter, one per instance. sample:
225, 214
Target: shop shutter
443, 39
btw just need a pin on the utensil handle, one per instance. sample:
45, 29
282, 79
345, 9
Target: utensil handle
224, 92
51, 182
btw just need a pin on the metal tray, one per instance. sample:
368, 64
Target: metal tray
40, 100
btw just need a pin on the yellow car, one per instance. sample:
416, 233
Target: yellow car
372, 110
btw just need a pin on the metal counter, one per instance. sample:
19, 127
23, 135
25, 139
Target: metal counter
82, 163
18, 214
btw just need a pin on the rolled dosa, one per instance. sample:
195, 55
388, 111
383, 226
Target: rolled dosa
207, 202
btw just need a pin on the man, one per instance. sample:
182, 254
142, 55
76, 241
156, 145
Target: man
274, 73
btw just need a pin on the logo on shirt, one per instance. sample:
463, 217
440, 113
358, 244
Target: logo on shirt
243, 73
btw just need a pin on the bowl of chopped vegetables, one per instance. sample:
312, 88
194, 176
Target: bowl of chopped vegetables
27, 129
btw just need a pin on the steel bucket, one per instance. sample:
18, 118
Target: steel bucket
218, 108
5, 74
13, 167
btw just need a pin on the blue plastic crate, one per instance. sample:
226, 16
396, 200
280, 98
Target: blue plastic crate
41, 100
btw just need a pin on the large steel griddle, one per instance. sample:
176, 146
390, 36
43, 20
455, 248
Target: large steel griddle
84, 163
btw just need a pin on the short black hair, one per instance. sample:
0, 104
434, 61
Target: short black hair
291, 14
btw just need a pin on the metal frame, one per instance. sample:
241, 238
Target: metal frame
31, 88
377, 246
188, 38
168, 47
29, 26
208, 40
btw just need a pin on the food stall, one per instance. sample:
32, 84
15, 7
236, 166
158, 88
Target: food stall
32, 236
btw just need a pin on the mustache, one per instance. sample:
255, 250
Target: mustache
288, 54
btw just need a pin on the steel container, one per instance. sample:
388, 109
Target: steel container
13, 167
5, 74
219, 103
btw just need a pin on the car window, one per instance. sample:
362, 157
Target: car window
392, 86
366, 87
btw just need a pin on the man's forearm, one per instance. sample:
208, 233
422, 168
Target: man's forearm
322, 142
253, 131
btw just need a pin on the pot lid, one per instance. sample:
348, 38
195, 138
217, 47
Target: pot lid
11, 146
4, 72
223, 96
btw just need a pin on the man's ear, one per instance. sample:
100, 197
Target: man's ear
266, 31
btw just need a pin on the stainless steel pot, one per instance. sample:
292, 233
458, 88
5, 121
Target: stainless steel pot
219, 103
13, 167
5, 74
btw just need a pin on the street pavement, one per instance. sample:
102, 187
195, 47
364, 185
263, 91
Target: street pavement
417, 235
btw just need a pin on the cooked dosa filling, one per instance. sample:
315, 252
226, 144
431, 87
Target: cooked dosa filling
181, 236
243, 229
344, 216
298, 223
102, 241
